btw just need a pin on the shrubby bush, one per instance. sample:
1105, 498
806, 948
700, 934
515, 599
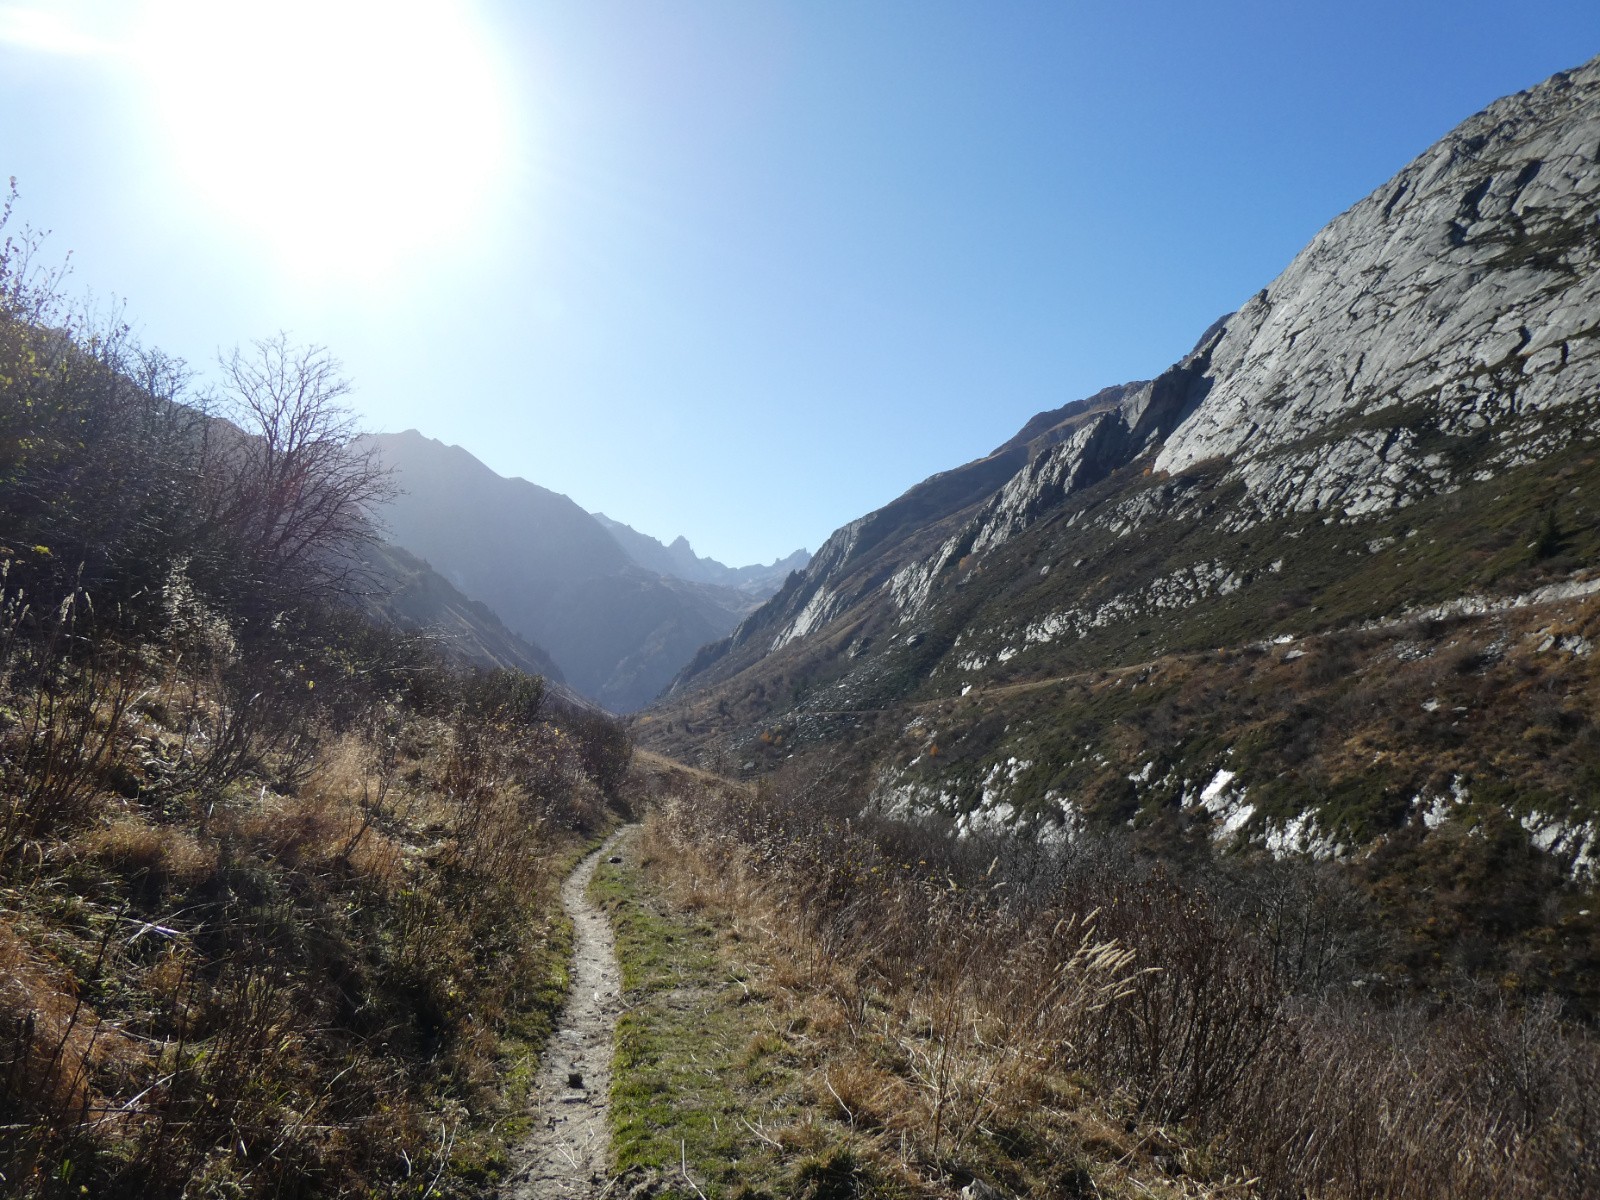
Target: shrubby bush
278, 884
1234, 1000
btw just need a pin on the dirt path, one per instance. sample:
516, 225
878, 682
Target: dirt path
565, 1154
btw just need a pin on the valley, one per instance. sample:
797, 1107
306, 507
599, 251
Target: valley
1323, 588
618, 612
1196, 795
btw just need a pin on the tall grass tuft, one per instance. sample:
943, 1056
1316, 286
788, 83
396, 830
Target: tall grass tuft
977, 985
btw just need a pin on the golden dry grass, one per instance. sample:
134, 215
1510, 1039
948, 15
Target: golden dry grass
300, 985
923, 1079
1128, 1036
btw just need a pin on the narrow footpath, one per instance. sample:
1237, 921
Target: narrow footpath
565, 1154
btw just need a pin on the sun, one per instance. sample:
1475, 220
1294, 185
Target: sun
345, 136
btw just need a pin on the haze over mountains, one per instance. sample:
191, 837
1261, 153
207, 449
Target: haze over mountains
681, 562
618, 612
408, 593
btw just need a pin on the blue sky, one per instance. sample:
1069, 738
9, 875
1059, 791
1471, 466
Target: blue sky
726, 268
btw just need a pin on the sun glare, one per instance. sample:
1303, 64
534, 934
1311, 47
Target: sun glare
346, 135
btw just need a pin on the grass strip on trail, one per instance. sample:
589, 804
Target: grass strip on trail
704, 1098
482, 1156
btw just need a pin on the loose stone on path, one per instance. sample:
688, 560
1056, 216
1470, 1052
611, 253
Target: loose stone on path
565, 1155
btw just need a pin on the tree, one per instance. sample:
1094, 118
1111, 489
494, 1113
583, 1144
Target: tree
291, 488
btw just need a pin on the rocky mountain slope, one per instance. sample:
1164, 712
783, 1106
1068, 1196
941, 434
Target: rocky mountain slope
681, 562
1370, 488
555, 575
403, 590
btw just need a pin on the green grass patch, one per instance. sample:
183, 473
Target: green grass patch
701, 1079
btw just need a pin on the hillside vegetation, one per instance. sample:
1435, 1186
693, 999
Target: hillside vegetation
1275, 674
277, 886
1325, 587
895, 1011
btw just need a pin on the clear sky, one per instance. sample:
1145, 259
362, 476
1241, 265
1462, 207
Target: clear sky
733, 269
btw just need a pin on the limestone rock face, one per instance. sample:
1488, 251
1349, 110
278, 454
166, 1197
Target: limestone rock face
1441, 333
1462, 296
1327, 587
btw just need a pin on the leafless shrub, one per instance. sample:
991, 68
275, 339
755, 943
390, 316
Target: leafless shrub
289, 490
1406, 1104
1200, 1015
244, 710
74, 699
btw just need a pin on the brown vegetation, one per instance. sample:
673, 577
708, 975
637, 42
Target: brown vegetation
277, 887
1048, 1020
223, 978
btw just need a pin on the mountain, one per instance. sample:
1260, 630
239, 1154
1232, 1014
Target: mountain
555, 575
406, 592
681, 562
1330, 584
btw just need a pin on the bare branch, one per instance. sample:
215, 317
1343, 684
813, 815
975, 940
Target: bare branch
291, 486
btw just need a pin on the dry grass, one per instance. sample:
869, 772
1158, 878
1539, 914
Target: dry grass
57, 1045
1060, 1027
153, 856
925, 1069
298, 967
277, 884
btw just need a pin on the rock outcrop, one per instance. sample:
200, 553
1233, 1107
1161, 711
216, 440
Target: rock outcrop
1331, 581
1444, 330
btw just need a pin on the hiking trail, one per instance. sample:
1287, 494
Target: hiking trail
565, 1153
